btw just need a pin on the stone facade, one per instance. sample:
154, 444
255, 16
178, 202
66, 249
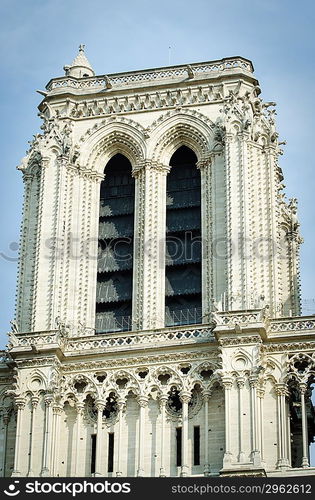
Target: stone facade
228, 396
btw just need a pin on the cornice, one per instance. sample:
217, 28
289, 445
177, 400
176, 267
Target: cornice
140, 360
157, 76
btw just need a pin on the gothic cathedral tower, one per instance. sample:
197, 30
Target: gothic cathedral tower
158, 328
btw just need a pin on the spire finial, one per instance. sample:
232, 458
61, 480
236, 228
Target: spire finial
80, 66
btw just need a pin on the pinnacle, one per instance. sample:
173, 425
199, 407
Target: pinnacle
80, 66
81, 59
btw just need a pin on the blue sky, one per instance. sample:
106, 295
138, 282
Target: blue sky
38, 37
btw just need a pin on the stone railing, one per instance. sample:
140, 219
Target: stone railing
178, 336
35, 339
295, 325
240, 317
129, 78
186, 334
167, 336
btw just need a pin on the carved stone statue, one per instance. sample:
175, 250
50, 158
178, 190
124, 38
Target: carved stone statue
294, 220
63, 327
14, 326
76, 153
66, 140
265, 313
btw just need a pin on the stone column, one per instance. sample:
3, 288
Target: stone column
284, 423
56, 410
261, 394
149, 245
34, 402
80, 407
294, 241
255, 453
121, 405
227, 384
206, 398
185, 397
281, 419
240, 384
143, 403
305, 459
163, 401
100, 405
6, 420
235, 223
288, 434
47, 437
207, 222
20, 403
213, 220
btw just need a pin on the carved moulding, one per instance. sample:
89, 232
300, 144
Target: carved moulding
179, 134
253, 339
116, 120
154, 359
289, 347
177, 128
137, 103
114, 137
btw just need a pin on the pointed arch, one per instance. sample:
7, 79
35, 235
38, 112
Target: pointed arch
113, 138
183, 128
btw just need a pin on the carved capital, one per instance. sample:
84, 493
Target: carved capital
57, 410
206, 394
227, 382
48, 399
240, 382
34, 401
281, 389
80, 408
303, 387
100, 405
229, 137
63, 160
121, 404
20, 403
150, 165
45, 161
142, 401
185, 396
260, 392
253, 381
205, 162
163, 400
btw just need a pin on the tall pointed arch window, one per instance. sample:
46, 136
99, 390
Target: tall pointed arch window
183, 240
115, 245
